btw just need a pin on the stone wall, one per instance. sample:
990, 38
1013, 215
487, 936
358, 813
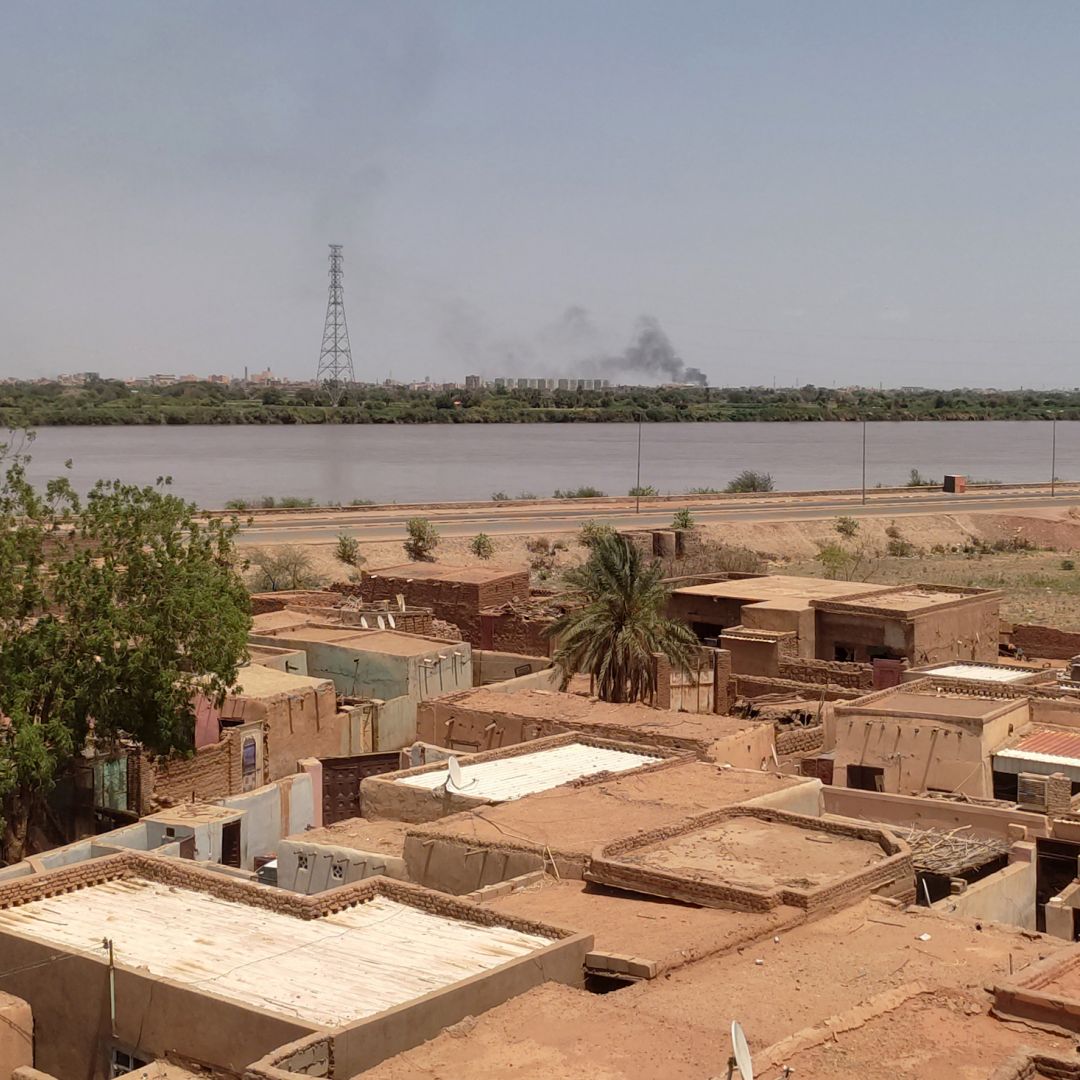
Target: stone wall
751, 686
800, 740
507, 630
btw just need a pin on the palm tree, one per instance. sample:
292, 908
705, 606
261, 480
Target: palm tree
614, 622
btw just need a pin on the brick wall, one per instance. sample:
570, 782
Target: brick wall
827, 672
723, 688
1058, 794
752, 686
1046, 642
510, 631
800, 740
662, 675
455, 601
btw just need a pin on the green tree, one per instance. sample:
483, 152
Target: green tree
482, 546
288, 566
114, 613
614, 622
347, 550
423, 538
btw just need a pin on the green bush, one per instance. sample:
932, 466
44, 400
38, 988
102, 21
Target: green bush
361, 502
482, 546
749, 480
642, 491
683, 519
347, 550
1068, 564
592, 532
586, 491
423, 538
846, 526
287, 567
704, 491
499, 496
916, 479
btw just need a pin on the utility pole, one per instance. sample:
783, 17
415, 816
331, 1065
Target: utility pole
1053, 456
637, 486
864, 462
335, 373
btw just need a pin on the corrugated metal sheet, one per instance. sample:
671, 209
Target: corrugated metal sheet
525, 774
1063, 744
329, 971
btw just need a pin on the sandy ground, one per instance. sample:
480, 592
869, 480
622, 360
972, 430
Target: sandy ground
1038, 588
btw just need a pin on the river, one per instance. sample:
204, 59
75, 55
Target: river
418, 463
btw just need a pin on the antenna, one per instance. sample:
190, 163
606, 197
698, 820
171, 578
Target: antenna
740, 1054
335, 372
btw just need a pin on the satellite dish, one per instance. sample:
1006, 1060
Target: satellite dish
382, 624
390, 620
741, 1052
363, 622
453, 768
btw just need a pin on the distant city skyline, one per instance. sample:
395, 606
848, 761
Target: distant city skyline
833, 192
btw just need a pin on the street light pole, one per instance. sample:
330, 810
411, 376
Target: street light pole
1053, 456
864, 462
637, 486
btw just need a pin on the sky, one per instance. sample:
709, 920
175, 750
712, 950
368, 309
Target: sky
826, 191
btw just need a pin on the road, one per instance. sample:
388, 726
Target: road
388, 523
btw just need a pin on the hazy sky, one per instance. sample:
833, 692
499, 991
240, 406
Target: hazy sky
811, 191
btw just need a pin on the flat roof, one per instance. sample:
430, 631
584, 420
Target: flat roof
514, 777
1003, 673
577, 711
427, 571
380, 837
780, 587
667, 933
941, 703
579, 819
387, 642
327, 971
257, 680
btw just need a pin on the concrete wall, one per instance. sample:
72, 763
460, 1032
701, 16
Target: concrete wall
16, 1034
489, 666
1007, 896
331, 865
273, 812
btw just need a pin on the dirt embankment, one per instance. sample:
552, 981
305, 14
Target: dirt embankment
1032, 565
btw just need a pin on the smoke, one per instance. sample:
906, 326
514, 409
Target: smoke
652, 355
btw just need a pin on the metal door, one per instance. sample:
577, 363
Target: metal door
341, 782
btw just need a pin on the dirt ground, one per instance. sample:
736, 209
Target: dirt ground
952, 549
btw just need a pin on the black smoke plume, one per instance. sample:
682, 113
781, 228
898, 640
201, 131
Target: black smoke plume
652, 355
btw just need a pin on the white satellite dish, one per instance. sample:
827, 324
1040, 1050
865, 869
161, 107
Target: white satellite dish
453, 769
390, 620
740, 1052
363, 622
382, 624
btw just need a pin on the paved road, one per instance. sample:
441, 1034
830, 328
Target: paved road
389, 524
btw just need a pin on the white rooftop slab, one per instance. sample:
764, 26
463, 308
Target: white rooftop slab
1000, 673
525, 774
328, 971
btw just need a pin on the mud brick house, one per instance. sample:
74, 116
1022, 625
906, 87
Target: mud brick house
456, 594
249, 980
847, 621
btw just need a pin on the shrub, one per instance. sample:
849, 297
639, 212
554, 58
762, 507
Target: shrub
749, 480
361, 502
538, 545
526, 496
482, 546
295, 502
592, 532
423, 538
892, 531
642, 491
347, 550
1068, 564
683, 519
286, 567
916, 479
717, 558
846, 526
499, 496
586, 491
237, 504
704, 491
899, 548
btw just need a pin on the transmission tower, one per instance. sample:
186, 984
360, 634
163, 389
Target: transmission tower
335, 373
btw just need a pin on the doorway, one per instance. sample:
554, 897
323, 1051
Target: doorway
865, 778
230, 844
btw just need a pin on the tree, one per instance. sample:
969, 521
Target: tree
423, 538
482, 546
749, 480
614, 622
289, 566
114, 613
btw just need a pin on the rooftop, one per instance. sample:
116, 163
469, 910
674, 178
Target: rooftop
913, 700
780, 587
1047, 745
1003, 673
906, 600
383, 837
507, 778
387, 642
575, 820
579, 712
328, 971
256, 680
433, 571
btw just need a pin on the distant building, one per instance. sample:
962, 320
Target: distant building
473, 382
